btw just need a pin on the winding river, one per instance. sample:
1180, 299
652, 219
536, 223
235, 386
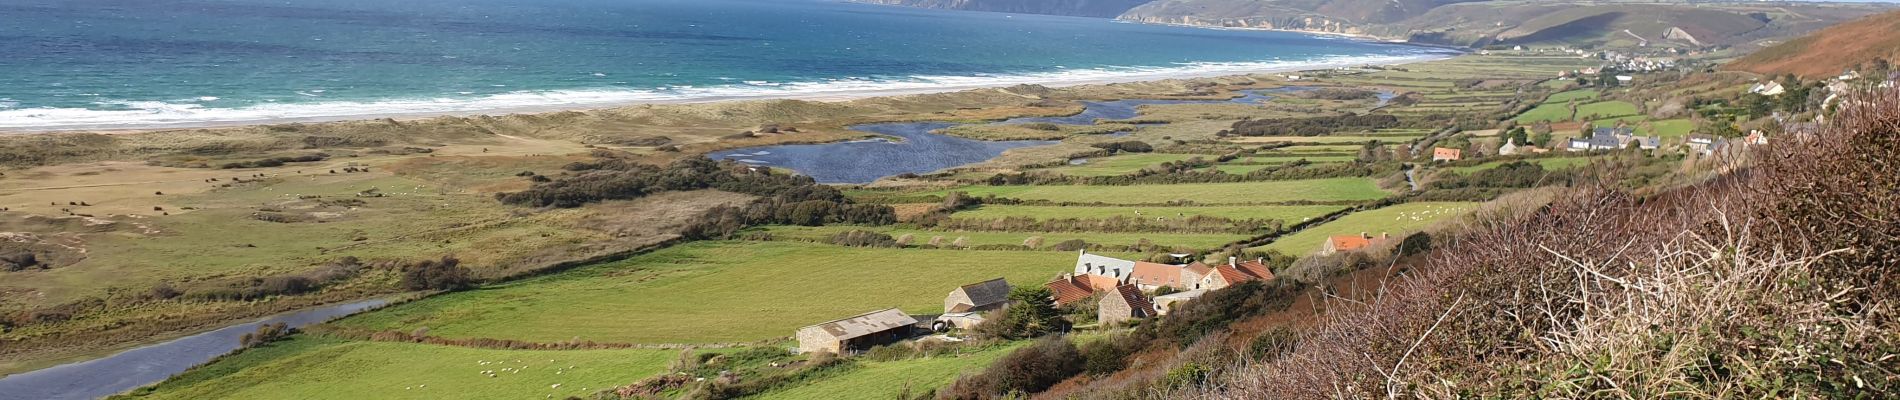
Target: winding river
917, 149
146, 365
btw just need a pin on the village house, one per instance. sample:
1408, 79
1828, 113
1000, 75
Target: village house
1509, 147
856, 333
1769, 88
1705, 144
1236, 272
1339, 243
965, 306
1090, 264
1072, 288
1613, 139
1445, 154
1150, 276
1124, 303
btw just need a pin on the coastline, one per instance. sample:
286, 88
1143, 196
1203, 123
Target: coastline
841, 95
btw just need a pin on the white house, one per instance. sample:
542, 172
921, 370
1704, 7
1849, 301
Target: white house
1770, 88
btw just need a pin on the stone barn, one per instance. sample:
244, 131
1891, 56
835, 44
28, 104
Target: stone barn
977, 297
857, 333
1124, 303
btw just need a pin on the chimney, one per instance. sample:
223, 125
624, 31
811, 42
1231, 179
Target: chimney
1385, 235
1233, 261
1365, 235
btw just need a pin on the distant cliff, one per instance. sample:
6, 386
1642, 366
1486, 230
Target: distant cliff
1080, 8
1473, 23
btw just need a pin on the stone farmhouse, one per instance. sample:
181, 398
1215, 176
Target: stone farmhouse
1106, 275
965, 306
1125, 303
856, 333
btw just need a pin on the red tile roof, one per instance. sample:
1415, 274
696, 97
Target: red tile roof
1348, 242
1068, 290
1152, 274
1199, 269
1233, 275
1255, 269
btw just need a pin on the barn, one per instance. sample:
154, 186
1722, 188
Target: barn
856, 333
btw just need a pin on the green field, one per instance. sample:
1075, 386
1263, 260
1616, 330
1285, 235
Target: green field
1334, 189
1554, 163
1669, 128
1565, 97
1395, 220
1290, 214
1607, 109
1552, 112
1123, 164
981, 238
713, 292
308, 367
877, 380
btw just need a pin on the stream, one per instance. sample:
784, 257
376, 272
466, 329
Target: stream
130, 369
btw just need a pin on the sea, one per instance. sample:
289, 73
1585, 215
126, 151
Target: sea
132, 64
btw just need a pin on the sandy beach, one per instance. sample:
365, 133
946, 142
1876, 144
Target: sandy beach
810, 95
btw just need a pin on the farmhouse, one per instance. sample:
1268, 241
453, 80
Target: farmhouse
1235, 273
982, 296
1090, 264
1445, 154
1339, 243
856, 333
965, 306
1769, 88
1509, 147
1072, 288
1150, 276
1613, 139
1124, 303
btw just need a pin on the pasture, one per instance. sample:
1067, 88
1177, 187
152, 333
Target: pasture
1331, 189
713, 292
1290, 214
1396, 220
988, 238
307, 367
1123, 164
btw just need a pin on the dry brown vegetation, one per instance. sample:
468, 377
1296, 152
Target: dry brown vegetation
1827, 52
1774, 281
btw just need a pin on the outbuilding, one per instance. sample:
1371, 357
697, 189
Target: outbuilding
856, 333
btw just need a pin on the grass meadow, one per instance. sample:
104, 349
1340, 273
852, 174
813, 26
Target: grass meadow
1290, 214
1395, 220
1331, 189
307, 367
982, 238
713, 292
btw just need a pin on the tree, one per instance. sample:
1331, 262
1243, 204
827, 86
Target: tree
1031, 313
1542, 138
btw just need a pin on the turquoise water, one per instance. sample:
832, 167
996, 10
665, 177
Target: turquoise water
142, 63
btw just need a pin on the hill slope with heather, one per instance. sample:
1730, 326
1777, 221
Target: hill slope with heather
1829, 51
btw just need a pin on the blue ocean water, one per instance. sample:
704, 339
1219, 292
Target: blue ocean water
143, 63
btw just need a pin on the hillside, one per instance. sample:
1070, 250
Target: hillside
1330, 16
1829, 51
1604, 24
1080, 8
1479, 23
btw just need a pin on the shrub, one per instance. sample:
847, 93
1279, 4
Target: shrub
444, 274
862, 238
1027, 370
